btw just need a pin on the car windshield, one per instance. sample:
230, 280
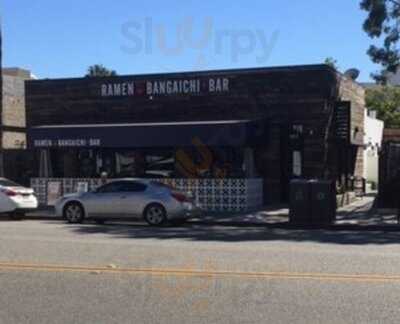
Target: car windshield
8, 183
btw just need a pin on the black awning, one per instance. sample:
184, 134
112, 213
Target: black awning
181, 134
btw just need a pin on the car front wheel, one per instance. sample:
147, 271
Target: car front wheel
155, 215
74, 213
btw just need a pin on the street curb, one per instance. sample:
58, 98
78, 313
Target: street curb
278, 225
41, 218
287, 225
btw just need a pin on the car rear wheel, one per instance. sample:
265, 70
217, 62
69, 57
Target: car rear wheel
155, 215
74, 213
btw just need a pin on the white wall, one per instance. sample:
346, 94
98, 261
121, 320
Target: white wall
373, 142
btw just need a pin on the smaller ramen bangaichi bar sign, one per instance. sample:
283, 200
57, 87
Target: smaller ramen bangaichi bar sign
48, 143
165, 87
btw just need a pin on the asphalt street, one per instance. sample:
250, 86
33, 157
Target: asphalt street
52, 272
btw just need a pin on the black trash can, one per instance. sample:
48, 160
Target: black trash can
323, 202
300, 202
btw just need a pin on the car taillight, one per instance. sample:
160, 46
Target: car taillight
10, 193
180, 197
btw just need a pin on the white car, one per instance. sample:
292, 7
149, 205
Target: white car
15, 199
152, 201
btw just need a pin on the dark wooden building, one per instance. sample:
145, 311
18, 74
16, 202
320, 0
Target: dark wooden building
274, 124
15, 160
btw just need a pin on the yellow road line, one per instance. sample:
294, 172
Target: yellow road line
201, 273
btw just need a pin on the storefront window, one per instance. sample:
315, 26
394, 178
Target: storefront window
145, 163
188, 162
205, 162
160, 164
126, 163
87, 163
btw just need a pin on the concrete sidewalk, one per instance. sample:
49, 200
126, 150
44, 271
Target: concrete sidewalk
359, 213
362, 212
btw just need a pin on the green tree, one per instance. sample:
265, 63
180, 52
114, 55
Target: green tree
386, 101
383, 23
99, 70
332, 63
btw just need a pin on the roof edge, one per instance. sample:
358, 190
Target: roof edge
290, 68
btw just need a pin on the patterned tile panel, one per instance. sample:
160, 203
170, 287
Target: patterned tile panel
218, 195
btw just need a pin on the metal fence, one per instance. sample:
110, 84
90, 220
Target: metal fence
389, 176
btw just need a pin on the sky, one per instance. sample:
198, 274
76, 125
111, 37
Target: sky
58, 39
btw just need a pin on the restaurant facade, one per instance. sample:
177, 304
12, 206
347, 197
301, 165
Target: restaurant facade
234, 138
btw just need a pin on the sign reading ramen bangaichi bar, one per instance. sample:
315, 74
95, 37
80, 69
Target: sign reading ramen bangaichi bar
118, 89
165, 87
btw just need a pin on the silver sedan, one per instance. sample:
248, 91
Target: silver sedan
128, 198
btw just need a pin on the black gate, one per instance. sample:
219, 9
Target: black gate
389, 176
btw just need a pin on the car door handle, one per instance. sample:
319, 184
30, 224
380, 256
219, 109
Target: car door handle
124, 197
